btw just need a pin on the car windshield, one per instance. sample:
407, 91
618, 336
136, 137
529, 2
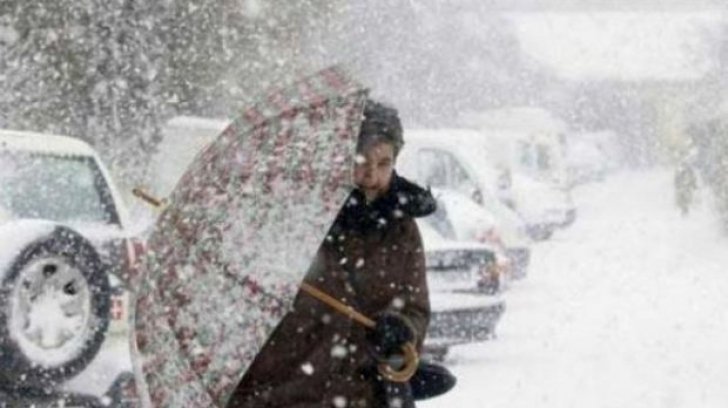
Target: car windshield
54, 187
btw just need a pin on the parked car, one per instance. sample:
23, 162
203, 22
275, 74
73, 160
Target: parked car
586, 157
457, 159
456, 266
62, 235
460, 318
529, 140
553, 207
463, 281
460, 218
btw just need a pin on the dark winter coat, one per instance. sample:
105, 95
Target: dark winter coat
371, 259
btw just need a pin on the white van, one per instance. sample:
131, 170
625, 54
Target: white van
458, 159
447, 161
530, 140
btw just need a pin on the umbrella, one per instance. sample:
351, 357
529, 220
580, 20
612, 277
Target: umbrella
239, 231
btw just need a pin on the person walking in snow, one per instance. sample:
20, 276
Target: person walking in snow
373, 260
685, 186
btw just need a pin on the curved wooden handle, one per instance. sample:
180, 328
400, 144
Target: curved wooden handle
411, 361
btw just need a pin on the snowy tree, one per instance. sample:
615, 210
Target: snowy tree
110, 72
220, 55
86, 69
433, 60
7, 37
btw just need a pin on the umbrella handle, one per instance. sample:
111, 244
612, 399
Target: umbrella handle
411, 362
411, 359
148, 198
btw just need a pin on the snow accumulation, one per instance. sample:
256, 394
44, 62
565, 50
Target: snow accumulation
15, 236
627, 308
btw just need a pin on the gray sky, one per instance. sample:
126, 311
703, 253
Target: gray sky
605, 5
620, 45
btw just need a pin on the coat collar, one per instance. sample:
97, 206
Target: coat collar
404, 198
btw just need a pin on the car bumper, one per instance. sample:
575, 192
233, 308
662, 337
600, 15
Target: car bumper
463, 318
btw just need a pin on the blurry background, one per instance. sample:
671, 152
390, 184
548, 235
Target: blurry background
112, 72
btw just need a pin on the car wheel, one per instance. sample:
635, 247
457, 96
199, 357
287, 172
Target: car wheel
54, 311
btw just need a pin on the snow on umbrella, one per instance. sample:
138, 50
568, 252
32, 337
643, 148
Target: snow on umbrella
242, 226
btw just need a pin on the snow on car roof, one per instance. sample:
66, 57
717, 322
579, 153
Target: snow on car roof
473, 146
17, 140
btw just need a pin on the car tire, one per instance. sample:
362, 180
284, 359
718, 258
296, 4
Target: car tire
54, 311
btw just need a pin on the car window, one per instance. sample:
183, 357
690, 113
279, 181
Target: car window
432, 168
543, 158
57, 188
525, 155
461, 180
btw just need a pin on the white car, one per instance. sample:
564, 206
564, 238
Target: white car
457, 266
464, 283
586, 160
458, 217
62, 235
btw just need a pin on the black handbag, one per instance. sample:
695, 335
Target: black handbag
431, 380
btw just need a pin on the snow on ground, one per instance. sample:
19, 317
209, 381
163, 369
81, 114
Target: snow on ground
627, 308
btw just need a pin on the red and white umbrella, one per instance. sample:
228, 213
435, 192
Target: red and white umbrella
227, 255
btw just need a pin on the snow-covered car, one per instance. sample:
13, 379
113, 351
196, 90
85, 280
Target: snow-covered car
457, 266
463, 281
461, 318
459, 159
586, 161
460, 218
551, 206
62, 234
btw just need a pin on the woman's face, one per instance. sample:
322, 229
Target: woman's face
373, 169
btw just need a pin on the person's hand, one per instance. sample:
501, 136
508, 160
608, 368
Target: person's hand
390, 334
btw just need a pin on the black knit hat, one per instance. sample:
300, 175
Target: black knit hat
381, 124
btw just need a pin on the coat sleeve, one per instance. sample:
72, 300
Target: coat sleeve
415, 303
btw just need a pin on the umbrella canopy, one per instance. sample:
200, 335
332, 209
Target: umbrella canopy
242, 226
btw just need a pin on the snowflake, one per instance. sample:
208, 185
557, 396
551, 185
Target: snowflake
307, 368
339, 401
